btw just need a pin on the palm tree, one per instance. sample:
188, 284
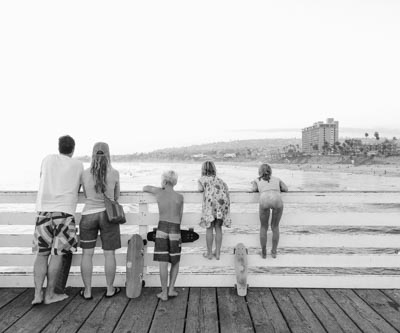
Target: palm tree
376, 135
325, 147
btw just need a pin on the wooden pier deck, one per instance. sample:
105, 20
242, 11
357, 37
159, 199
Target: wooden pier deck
207, 310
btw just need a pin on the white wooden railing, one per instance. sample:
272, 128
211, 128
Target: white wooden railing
328, 239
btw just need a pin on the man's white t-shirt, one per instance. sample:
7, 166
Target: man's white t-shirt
59, 184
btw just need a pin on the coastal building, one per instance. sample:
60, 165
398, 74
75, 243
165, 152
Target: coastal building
319, 136
232, 155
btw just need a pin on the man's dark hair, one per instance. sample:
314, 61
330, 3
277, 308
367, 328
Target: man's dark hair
66, 144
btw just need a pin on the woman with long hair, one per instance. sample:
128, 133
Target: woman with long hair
270, 204
98, 180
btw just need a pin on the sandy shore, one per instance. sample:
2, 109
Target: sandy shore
388, 170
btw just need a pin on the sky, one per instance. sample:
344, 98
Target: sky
143, 75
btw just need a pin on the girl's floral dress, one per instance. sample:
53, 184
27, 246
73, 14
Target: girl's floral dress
216, 203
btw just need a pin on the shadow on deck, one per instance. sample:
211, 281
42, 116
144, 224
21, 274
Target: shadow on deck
207, 310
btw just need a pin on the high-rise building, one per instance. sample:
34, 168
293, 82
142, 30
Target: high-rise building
315, 137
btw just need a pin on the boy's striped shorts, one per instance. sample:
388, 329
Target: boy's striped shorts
168, 242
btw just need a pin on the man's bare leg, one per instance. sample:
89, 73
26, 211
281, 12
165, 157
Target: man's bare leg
39, 274
53, 269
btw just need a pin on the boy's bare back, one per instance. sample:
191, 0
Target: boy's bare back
170, 205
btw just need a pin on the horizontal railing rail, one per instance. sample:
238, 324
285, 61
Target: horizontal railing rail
327, 239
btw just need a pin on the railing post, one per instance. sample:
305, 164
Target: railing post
143, 229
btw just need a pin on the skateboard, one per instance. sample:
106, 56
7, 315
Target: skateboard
134, 266
240, 252
63, 273
187, 236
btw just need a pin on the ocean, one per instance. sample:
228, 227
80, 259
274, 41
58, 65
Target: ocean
238, 177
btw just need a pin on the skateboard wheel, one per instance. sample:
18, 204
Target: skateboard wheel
143, 283
144, 241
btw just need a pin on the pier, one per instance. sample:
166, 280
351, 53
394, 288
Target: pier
207, 310
337, 270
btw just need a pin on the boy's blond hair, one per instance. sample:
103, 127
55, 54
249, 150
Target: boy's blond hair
169, 177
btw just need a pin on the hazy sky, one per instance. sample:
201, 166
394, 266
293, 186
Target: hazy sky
143, 75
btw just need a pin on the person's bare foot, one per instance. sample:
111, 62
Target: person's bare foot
263, 253
172, 293
273, 254
162, 296
207, 255
55, 298
38, 298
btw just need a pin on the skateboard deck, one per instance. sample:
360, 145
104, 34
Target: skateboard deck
240, 252
134, 266
63, 273
187, 236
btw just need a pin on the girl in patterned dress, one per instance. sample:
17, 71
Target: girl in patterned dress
215, 210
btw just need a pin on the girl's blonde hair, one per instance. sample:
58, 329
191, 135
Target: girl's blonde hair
265, 172
208, 169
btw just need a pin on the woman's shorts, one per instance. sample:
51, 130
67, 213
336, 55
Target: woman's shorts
55, 233
89, 227
168, 242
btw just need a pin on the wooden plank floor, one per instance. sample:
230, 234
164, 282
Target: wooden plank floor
207, 310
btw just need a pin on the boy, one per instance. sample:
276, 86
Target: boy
167, 247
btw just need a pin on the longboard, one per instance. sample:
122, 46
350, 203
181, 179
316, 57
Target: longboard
187, 236
240, 252
134, 266
63, 273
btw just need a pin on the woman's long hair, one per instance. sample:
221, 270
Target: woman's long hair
208, 169
98, 169
265, 172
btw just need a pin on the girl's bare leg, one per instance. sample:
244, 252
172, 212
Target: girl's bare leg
275, 219
264, 219
209, 241
218, 238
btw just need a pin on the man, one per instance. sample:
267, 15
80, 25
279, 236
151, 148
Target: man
55, 231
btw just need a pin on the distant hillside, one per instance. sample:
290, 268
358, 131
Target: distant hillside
232, 146
239, 150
